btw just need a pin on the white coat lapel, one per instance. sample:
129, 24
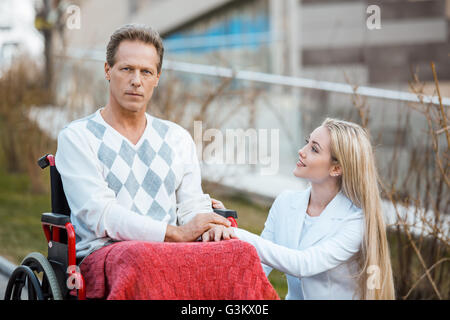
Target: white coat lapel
326, 222
296, 217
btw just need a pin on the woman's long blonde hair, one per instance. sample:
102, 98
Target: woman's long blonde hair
351, 148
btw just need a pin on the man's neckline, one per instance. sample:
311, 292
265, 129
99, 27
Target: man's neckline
141, 138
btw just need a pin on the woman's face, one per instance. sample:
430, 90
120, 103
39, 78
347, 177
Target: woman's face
314, 161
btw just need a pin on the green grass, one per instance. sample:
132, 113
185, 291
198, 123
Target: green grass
20, 215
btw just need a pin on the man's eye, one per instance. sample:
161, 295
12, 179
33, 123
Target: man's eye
147, 72
125, 69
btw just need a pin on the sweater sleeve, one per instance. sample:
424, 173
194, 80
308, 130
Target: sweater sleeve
91, 200
324, 256
190, 197
268, 234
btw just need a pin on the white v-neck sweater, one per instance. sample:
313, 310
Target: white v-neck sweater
120, 191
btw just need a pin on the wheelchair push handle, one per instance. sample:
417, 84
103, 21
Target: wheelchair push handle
45, 161
231, 215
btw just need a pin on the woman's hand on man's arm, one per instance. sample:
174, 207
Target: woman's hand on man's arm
201, 223
218, 232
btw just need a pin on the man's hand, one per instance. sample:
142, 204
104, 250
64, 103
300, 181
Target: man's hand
201, 223
216, 204
218, 233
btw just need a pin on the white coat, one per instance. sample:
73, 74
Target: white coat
322, 265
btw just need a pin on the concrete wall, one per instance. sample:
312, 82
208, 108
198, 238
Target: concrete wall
412, 34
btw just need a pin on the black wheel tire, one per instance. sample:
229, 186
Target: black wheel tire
38, 263
46, 289
21, 276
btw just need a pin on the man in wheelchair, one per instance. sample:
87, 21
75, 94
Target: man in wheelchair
130, 176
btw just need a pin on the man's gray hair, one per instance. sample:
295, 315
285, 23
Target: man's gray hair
134, 32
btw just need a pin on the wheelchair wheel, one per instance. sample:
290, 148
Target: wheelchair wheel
27, 274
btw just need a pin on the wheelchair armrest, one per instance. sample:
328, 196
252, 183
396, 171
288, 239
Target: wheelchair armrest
55, 219
226, 213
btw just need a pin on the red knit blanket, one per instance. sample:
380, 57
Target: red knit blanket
135, 270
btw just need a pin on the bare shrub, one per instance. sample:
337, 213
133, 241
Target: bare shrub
22, 141
420, 199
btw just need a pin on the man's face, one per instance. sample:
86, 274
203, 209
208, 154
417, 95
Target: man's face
134, 75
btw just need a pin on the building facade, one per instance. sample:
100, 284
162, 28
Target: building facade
324, 40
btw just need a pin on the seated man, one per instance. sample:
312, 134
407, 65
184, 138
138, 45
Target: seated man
128, 175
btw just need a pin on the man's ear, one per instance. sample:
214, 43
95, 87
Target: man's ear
107, 71
157, 79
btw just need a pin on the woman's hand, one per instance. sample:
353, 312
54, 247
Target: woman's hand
216, 204
218, 233
200, 224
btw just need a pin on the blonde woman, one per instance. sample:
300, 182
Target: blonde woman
329, 239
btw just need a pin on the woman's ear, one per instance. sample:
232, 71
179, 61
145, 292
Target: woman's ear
336, 170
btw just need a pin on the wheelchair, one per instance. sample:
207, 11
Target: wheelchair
60, 278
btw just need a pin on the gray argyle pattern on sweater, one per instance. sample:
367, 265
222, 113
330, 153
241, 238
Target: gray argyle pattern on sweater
141, 174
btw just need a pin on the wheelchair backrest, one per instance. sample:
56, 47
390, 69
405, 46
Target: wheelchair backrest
58, 198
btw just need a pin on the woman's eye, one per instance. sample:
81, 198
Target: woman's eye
312, 148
